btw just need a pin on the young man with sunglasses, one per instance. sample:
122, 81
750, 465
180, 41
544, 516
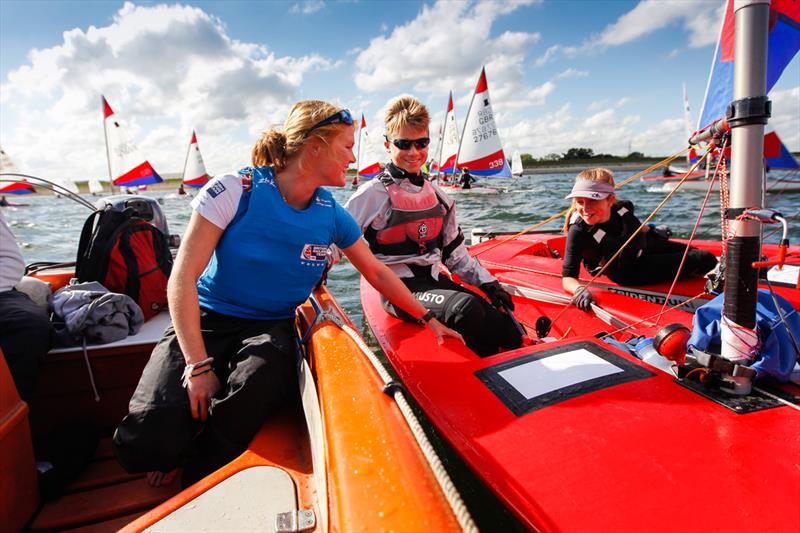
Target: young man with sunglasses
410, 225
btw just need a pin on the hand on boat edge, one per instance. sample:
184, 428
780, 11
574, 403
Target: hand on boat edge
441, 331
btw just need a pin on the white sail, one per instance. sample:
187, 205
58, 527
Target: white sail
450, 140
95, 187
481, 149
70, 185
516, 164
6, 164
194, 170
368, 163
126, 165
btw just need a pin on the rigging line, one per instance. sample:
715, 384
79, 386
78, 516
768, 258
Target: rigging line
783, 319
691, 237
656, 315
585, 287
777, 398
649, 169
49, 185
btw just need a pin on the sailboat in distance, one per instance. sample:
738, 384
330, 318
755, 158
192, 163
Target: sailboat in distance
194, 169
18, 185
369, 164
95, 187
481, 149
126, 166
516, 164
448, 151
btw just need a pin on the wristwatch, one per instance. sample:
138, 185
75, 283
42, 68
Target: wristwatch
424, 319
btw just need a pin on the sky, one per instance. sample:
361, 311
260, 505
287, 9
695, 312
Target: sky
605, 75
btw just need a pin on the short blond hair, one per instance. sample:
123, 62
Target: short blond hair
276, 148
405, 111
592, 174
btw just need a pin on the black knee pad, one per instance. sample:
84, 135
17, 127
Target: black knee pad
465, 310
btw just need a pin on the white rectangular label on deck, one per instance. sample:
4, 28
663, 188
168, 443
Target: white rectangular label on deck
557, 371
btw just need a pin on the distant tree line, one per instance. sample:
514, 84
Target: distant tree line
583, 155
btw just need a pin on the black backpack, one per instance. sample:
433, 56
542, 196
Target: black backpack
127, 255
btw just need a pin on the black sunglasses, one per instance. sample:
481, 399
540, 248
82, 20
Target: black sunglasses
405, 144
341, 117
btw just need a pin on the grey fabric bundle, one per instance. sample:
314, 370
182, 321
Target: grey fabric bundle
90, 312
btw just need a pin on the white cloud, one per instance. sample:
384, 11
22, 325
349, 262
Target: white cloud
786, 116
598, 104
538, 95
557, 132
412, 55
165, 70
701, 20
308, 7
553, 51
571, 73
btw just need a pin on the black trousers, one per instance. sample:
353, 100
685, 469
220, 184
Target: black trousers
255, 361
485, 329
25, 337
660, 263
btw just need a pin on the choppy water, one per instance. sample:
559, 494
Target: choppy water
48, 229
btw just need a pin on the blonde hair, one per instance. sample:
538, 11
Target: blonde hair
405, 111
276, 148
592, 174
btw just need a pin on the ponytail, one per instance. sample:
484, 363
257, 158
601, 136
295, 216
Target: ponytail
270, 150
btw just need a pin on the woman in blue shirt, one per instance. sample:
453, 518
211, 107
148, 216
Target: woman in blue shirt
256, 245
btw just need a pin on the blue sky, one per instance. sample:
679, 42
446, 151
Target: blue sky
599, 74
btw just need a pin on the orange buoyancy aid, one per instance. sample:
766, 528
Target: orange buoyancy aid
415, 223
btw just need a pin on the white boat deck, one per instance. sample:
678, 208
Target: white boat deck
151, 332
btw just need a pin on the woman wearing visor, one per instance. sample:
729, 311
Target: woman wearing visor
597, 226
410, 225
255, 247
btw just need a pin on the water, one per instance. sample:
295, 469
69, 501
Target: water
48, 229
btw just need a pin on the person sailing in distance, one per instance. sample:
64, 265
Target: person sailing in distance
228, 360
466, 179
598, 224
411, 225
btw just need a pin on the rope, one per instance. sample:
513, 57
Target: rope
585, 287
663, 162
656, 315
691, 237
442, 478
777, 398
724, 201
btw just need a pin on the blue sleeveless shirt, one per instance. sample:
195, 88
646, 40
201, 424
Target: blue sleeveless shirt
271, 255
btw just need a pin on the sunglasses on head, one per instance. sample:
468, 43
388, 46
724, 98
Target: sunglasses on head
405, 144
340, 117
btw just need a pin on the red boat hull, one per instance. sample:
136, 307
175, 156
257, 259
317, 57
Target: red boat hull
632, 451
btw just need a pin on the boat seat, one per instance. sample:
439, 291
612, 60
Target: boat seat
103, 498
19, 494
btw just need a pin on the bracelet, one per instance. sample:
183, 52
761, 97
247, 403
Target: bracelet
424, 319
188, 372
